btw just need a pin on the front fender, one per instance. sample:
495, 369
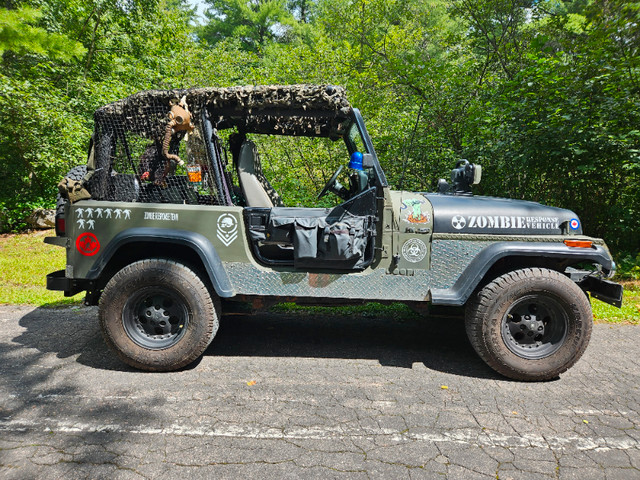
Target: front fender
195, 241
460, 292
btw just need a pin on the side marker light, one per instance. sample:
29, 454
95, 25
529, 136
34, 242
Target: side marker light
578, 243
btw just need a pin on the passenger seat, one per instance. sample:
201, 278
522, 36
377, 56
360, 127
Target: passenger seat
255, 187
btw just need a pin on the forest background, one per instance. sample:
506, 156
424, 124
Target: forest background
544, 94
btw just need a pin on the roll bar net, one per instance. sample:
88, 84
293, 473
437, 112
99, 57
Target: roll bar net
140, 141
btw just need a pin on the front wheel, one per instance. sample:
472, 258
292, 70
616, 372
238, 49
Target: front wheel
158, 315
530, 324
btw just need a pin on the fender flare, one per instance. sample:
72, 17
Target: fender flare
195, 241
460, 292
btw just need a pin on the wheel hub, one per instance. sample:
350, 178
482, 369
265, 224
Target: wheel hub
534, 327
155, 318
529, 325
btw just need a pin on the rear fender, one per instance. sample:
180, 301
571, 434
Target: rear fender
180, 238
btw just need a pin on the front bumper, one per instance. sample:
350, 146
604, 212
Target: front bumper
605, 290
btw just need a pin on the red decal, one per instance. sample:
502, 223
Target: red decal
87, 244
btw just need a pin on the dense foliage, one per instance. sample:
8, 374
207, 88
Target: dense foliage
545, 94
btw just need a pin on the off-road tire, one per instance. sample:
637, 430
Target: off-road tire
183, 315
494, 313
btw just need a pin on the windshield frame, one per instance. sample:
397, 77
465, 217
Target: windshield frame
367, 143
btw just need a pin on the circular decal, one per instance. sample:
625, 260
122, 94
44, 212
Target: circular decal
458, 222
574, 224
414, 250
87, 244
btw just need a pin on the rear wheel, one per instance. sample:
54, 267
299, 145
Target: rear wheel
530, 324
158, 315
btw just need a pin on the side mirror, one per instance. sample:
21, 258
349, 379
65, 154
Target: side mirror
367, 160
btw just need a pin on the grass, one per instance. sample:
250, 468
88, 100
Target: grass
630, 311
25, 260
602, 312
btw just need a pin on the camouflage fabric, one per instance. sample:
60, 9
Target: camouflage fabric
311, 110
73, 190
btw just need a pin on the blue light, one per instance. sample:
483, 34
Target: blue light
356, 161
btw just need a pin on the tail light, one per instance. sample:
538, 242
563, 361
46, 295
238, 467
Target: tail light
60, 226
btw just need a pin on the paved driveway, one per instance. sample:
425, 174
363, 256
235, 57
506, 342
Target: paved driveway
347, 397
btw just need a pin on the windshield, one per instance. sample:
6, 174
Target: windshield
355, 142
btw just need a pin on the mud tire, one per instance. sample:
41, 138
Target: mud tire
183, 315
495, 315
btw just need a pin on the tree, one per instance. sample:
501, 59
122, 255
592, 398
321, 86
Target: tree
301, 9
19, 35
253, 22
60, 63
563, 129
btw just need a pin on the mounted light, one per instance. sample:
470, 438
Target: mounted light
463, 177
578, 243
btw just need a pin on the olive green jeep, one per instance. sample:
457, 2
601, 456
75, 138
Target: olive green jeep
172, 222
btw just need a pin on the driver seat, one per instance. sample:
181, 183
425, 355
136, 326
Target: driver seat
257, 191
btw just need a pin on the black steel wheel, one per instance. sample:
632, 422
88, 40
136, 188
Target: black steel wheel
535, 326
530, 324
158, 315
155, 317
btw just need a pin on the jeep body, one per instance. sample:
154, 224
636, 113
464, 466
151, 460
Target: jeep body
155, 232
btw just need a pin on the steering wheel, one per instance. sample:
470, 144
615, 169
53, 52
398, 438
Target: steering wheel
329, 187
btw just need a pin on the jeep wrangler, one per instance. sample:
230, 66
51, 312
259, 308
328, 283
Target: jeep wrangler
172, 222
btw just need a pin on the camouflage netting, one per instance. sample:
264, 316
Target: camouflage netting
130, 135
309, 110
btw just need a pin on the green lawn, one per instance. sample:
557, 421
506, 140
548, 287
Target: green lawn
630, 311
25, 260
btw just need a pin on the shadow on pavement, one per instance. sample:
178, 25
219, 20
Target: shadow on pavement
45, 391
66, 332
439, 343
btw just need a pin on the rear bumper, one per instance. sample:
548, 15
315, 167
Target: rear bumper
59, 241
70, 286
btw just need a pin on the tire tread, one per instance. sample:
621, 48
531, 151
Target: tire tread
481, 304
209, 302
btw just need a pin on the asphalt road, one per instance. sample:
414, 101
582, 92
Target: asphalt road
348, 397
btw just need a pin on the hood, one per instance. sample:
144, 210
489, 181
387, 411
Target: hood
499, 216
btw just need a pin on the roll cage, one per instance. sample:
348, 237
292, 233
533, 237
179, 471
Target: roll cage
132, 157
138, 143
